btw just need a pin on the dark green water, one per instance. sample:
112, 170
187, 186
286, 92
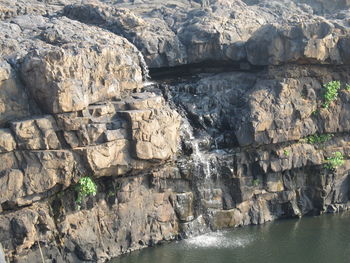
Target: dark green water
310, 240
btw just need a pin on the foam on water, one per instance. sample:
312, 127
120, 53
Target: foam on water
148, 83
217, 240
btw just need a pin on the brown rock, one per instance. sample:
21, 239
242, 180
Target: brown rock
7, 142
112, 158
274, 183
227, 218
154, 132
66, 78
36, 134
8, 161
11, 185
27, 176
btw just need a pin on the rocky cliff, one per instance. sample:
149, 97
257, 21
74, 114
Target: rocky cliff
189, 116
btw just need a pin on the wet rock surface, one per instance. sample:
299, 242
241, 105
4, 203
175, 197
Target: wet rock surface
230, 130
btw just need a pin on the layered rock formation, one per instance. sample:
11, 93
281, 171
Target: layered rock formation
227, 134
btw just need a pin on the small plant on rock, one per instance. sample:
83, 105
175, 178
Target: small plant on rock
315, 112
85, 187
256, 182
286, 153
336, 160
317, 138
347, 87
330, 93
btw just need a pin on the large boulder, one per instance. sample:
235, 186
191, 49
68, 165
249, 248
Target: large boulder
78, 70
315, 42
27, 177
155, 127
152, 35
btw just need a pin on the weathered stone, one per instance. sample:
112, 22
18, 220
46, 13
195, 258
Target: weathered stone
321, 6
11, 9
260, 212
112, 158
95, 133
295, 156
11, 185
7, 142
157, 39
101, 68
155, 133
226, 218
36, 134
194, 228
25, 227
144, 100
230, 31
274, 183
243, 189
314, 42
27, 176
212, 198
8, 161
149, 213
183, 205
112, 135
72, 139
71, 121
44, 170
14, 102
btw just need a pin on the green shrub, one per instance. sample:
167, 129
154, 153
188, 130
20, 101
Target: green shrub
330, 93
317, 138
85, 187
336, 160
286, 152
347, 87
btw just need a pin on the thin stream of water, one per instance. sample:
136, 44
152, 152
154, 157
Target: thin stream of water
201, 159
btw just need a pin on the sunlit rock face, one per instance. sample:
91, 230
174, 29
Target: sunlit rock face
230, 130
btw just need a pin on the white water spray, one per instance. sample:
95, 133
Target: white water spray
217, 240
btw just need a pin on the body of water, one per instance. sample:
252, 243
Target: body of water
311, 240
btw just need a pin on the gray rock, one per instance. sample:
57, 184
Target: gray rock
14, 103
273, 32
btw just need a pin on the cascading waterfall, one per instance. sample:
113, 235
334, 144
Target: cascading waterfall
204, 171
201, 159
144, 67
